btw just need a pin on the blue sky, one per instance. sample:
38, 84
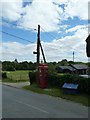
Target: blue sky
64, 28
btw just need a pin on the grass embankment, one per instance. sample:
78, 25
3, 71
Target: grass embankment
16, 76
79, 98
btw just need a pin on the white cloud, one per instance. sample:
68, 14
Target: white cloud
12, 50
74, 29
49, 16
73, 8
11, 10
41, 12
77, 8
63, 48
54, 51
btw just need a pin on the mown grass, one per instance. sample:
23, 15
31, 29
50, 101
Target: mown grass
16, 76
56, 92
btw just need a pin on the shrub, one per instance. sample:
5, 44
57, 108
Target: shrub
32, 77
57, 80
4, 75
8, 68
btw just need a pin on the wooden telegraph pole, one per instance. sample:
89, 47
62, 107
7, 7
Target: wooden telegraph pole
38, 48
38, 45
41, 69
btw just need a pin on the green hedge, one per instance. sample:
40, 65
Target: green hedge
57, 80
32, 77
4, 75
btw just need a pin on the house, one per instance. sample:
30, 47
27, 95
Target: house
80, 68
65, 69
73, 68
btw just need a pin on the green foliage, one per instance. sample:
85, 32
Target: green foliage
11, 66
57, 80
4, 75
32, 77
17, 76
8, 66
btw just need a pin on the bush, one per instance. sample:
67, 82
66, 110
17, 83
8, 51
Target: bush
57, 80
4, 75
8, 68
32, 77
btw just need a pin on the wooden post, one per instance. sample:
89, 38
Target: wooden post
38, 45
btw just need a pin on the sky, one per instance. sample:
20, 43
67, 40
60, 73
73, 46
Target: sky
64, 27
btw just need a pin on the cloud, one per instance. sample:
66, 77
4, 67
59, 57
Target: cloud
55, 50
50, 16
11, 10
64, 47
43, 12
74, 8
77, 8
12, 50
74, 29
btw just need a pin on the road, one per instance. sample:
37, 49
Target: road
18, 103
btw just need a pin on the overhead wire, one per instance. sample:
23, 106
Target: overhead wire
50, 35
60, 46
16, 36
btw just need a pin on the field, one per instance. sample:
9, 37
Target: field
17, 76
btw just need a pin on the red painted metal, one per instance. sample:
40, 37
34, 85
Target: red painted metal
42, 70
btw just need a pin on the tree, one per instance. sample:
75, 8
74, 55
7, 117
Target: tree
16, 61
64, 62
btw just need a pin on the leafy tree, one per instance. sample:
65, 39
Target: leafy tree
64, 62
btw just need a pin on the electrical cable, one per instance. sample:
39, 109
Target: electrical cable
52, 36
16, 36
33, 42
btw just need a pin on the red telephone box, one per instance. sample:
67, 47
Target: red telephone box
42, 70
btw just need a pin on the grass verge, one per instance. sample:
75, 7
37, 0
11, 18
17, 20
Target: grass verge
11, 80
56, 92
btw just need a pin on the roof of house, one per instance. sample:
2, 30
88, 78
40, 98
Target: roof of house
80, 66
67, 67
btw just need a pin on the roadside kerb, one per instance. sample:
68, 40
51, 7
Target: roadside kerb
17, 85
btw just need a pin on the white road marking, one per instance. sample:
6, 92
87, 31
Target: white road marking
32, 106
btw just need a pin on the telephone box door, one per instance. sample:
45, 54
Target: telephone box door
42, 75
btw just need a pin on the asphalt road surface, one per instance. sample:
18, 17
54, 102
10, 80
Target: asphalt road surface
17, 103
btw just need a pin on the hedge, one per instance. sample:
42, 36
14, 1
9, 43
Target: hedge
4, 75
32, 77
57, 80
